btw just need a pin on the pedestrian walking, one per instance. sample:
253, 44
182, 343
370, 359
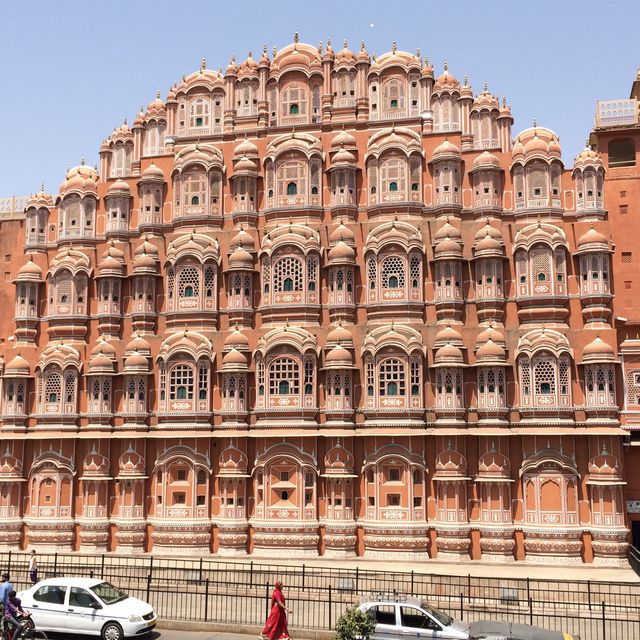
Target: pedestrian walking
33, 567
276, 627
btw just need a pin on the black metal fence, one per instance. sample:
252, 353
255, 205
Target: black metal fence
211, 590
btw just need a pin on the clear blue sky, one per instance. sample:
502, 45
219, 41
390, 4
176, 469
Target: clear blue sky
72, 70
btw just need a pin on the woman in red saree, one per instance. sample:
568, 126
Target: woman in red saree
275, 627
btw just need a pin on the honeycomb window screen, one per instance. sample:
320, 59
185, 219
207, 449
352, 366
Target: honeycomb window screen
288, 274
284, 377
372, 269
524, 366
393, 94
181, 382
189, 282
312, 273
540, 264
627, 257
415, 271
291, 173
391, 378
70, 387
394, 176
633, 386
194, 187
544, 376
209, 282
199, 112
393, 270
53, 387
170, 282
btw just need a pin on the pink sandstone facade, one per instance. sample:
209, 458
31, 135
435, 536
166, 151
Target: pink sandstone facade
319, 304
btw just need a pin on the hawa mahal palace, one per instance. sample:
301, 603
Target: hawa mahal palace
324, 303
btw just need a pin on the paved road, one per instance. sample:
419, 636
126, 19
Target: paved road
171, 635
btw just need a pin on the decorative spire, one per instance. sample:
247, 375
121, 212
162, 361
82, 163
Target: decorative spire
203, 64
426, 61
274, 51
320, 46
296, 38
418, 54
250, 55
158, 94
362, 48
264, 49
344, 44
446, 66
394, 46
535, 122
485, 87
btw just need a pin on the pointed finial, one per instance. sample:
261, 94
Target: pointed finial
329, 42
361, 45
418, 54
158, 94
344, 44
394, 46
485, 86
274, 51
203, 64
125, 121
373, 56
446, 66
296, 37
42, 187
466, 81
264, 49
233, 59
426, 61
535, 122
320, 46
82, 162
250, 55
504, 101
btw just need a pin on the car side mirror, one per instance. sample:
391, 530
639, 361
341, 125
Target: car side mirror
95, 605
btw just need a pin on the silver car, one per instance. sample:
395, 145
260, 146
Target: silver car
405, 618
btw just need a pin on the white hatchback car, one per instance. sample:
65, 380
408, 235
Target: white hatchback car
87, 606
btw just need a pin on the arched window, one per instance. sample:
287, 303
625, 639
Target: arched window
622, 153
393, 178
199, 113
292, 189
393, 272
284, 377
189, 282
294, 101
393, 95
194, 188
288, 274
392, 378
181, 382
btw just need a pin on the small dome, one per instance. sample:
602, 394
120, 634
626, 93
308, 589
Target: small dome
138, 343
342, 232
485, 100
449, 354
236, 340
592, 240
152, 173
136, 363
446, 81
39, 199
448, 248
246, 148
17, 367
490, 352
156, 108
245, 165
588, 157
447, 230
490, 333
103, 347
243, 238
29, 271
119, 188
339, 357
448, 335
345, 56
240, 259
234, 360
343, 157
100, 363
446, 150
343, 139
248, 67
598, 351
536, 142
342, 252
81, 179
488, 242
339, 335
486, 160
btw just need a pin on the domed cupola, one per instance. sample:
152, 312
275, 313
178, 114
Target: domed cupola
594, 250
489, 257
111, 271
341, 273
588, 175
37, 216
234, 373
447, 175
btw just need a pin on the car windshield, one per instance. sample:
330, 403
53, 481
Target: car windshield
440, 616
108, 593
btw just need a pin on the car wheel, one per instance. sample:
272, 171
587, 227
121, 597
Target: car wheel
112, 631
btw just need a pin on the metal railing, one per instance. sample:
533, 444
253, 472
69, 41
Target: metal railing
211, 590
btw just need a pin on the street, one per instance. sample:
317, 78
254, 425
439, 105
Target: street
171, 635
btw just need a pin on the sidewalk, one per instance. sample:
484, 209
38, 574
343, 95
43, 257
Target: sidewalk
477, 569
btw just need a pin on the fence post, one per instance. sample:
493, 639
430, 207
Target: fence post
9, 562
589, 592
411, 581
531, 611
604, 623
102, 568
266, 601
528, 589
330, 612
55, 564
148, 586
357, 579
206, 600
461, 606
200, 569
150, 566
251, 574
303, 572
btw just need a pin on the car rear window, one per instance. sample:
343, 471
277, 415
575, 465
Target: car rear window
51, 593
